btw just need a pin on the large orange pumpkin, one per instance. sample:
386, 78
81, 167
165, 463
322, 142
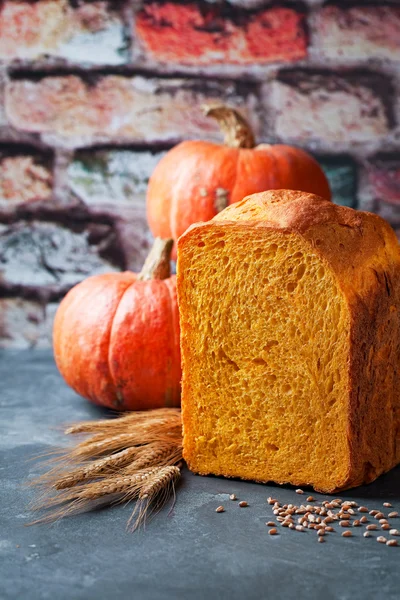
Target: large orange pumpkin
197, 179
116, 336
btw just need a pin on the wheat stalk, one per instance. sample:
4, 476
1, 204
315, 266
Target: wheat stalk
145, 418
155, 491
155, 454
96, 468
130, 457
159, 481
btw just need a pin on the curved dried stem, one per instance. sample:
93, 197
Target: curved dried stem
237, 131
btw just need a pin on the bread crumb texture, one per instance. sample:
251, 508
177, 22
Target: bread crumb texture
290, 342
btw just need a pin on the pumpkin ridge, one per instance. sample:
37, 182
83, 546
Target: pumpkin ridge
109, 357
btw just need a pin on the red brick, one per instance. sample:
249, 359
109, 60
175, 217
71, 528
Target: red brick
119, 107
192, 35
330, 108
22, 179
384, 180
92, 32
358, 32
25, 324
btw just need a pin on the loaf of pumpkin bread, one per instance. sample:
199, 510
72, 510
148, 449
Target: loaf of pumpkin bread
290, 337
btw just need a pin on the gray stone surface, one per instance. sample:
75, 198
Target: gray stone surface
192, 553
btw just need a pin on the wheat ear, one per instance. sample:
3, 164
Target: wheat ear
153, 494
97, 468
124, 456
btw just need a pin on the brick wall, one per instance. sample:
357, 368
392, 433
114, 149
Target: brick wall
92, 93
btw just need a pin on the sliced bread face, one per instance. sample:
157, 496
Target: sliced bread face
270, 346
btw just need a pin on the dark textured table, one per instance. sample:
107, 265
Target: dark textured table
192, 553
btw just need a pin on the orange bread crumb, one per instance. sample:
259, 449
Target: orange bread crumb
289, 309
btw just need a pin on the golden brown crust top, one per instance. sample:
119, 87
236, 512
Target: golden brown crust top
355, 243
290, 209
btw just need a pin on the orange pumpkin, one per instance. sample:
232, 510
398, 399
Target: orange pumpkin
197, 179
116, 336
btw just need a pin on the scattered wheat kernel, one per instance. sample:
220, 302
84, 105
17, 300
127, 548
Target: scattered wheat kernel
271, 500
357, 523
321, 540
291, 526
280, 519
271, 524
387, 505
243, 504
233, 497
285, 524
379, 515
311, 526
321, 531
329, 529
382, 521
391, 543
372, 527
354, 504
367, 534
347, 533
363, 520
276, 512
363, 509
299, 491
393, 514
299, 528
385, 526
394, 532
351, 511
310, 499
344, 523
273, 531
328, 505
381, 539
220, 509
373, 512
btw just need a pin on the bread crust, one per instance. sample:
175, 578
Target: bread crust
362, 251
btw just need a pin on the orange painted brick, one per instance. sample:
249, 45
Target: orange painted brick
22, 179
188, 34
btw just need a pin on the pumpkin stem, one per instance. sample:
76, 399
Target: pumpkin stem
237, 131
157, 264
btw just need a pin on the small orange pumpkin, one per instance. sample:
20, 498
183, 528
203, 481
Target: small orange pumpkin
197, 179
116, 336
